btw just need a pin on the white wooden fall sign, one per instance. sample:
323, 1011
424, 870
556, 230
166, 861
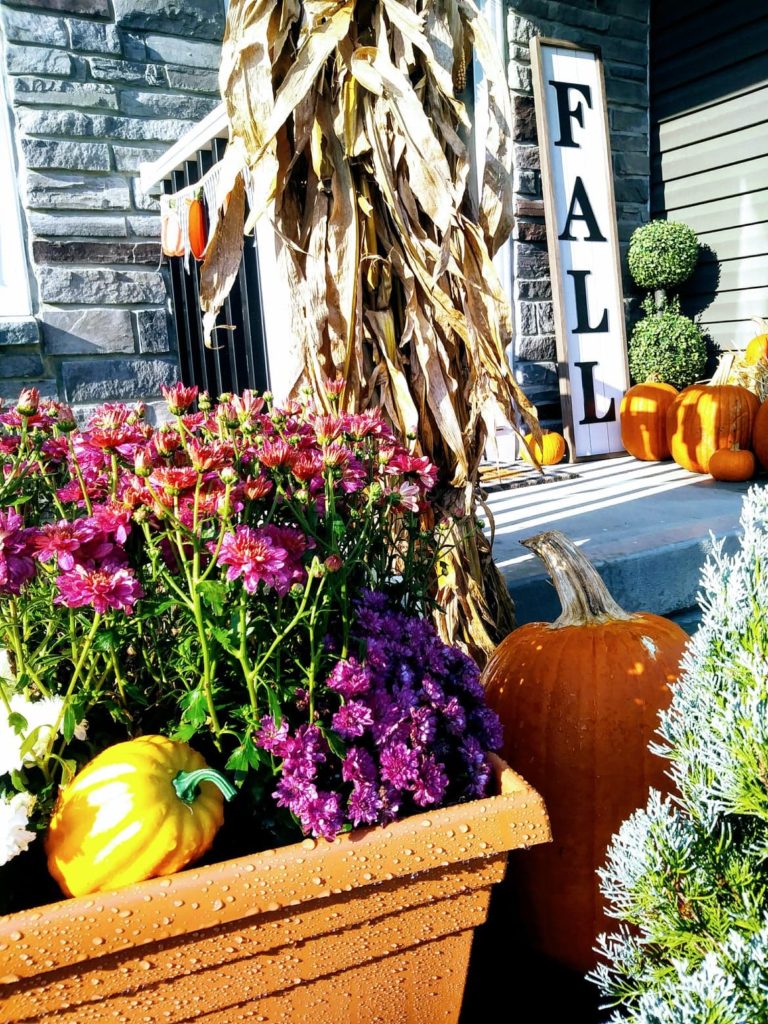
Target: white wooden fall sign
582, 240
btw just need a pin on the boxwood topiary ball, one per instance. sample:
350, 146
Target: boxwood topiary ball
667, 347
662, 254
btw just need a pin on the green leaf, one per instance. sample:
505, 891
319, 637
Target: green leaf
106, 640
194, 707
214, 595
29, 743
275, 708
18, 723
335, 742
69, 723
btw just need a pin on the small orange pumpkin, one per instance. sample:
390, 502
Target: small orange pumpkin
549, 453
171, 240
760, 435
756, 350
644, 420
732, 464
198, 227
579, 700
706, 417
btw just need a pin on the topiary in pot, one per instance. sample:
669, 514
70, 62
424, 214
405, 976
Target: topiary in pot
662, 254
666, 346
686, 876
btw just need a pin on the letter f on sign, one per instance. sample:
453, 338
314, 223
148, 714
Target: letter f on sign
565, 113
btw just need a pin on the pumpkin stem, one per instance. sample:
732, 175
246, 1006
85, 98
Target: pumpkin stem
583, 595
186, 784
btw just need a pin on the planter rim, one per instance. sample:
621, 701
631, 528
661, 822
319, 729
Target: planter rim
311, 870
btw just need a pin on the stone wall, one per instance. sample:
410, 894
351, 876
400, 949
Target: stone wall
97, 87
620, 29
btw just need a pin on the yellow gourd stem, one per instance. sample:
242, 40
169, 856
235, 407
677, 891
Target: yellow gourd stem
186, 784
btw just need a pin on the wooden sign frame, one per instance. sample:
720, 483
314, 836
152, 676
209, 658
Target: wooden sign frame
591, 342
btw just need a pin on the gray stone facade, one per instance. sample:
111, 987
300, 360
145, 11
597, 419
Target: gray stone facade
97, 87
620, 29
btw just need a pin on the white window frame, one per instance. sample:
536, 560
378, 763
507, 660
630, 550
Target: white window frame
15, 298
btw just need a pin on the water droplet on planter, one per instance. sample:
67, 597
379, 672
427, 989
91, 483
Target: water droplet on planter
218, 905
17, 936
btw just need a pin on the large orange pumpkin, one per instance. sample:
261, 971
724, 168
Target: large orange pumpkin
644, 420
579, 701
760, 435
706, 417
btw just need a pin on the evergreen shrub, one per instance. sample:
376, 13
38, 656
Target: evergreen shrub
687, 877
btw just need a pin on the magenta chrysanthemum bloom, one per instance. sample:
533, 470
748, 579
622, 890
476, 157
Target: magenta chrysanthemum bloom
277, 453
103, 589
174, 479
252, 554
16, 564
178, 397
62, 540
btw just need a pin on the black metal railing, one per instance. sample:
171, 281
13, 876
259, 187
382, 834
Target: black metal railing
239, 358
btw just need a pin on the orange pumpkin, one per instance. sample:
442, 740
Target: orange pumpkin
756, 350
760, 435
644, 420
548, 453
171, 240
198, 227
706, 417
579, 701
732, 464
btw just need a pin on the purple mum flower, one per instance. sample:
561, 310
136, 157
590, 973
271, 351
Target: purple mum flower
16, 565
272, 737
359, 767
399, 765
352, 719
349, 678
431, 783
365, 804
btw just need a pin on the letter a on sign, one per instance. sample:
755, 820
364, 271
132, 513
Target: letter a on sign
583, 244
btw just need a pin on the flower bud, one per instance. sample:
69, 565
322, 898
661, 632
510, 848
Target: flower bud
65, 419
204, 403
142, 466
229, 476
333, 563
29, 402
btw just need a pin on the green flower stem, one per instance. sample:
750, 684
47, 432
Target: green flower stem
22, 663
79, 475
59, 507
160, 571
242, 654
84, 652
118, 677
300, 613
197, 610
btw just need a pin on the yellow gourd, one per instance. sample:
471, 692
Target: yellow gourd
142, 808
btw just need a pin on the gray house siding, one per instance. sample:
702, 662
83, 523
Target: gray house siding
709, 107
96, 88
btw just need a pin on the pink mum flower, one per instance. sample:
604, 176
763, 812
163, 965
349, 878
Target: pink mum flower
62, 540
174, 479
252, 554
16, 565
178, 397
101, 588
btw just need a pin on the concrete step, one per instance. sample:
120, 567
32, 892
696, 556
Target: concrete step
646, 526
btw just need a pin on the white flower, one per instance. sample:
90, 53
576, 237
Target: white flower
5, 665
41, 716
14, 818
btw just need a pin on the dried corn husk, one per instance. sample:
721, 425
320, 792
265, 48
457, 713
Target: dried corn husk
355, 143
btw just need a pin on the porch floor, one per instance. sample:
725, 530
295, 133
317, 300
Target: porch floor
647, 526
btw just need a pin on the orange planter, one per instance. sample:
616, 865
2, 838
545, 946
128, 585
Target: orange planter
376, 926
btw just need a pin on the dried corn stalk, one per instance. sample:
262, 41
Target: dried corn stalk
346, 121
